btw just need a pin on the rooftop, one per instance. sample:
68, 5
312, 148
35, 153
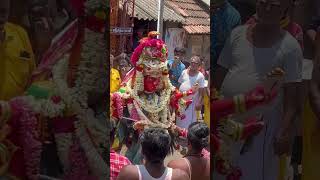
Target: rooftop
196, 14
148, 10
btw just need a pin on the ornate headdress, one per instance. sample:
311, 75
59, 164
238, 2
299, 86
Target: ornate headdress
150, 61
150, 49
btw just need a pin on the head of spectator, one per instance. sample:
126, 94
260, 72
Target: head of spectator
155, 144
270, 12
198, 137
195, 63
124, 66
179, 54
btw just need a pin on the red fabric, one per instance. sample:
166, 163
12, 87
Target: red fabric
17, 164
117, 162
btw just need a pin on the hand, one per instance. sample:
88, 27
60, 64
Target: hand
259, 96
175, 128
195, 88
252, 127
199, 106
139, 125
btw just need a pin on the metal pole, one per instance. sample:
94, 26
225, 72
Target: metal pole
160, 18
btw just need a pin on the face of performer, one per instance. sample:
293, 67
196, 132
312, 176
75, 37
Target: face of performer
151, 84
4, 12
152, 77
270, 12
195, 63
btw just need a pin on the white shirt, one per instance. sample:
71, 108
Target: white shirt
188, 81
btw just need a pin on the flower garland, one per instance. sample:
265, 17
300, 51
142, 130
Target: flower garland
91, 76
80, 170
116, 106
96, 162
31, 144
154, 108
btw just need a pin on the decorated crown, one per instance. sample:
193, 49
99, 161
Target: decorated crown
150, 48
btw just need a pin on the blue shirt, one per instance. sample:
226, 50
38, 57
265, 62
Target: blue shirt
175, 72
223, 21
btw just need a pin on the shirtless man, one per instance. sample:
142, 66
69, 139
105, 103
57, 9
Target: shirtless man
155, 147
196, 166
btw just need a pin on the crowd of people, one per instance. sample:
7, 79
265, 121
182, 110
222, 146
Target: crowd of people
193, 126
184, 74
244, 51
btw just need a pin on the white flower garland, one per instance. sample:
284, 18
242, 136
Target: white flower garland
89, 75
158, 106
64, 142
96, 162
45, 107
152, 108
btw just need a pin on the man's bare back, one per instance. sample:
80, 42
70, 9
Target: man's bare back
200, 167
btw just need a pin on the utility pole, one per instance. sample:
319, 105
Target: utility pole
160, 18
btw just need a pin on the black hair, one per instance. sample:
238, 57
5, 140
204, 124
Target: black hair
155, 144
180, 49
198, 135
